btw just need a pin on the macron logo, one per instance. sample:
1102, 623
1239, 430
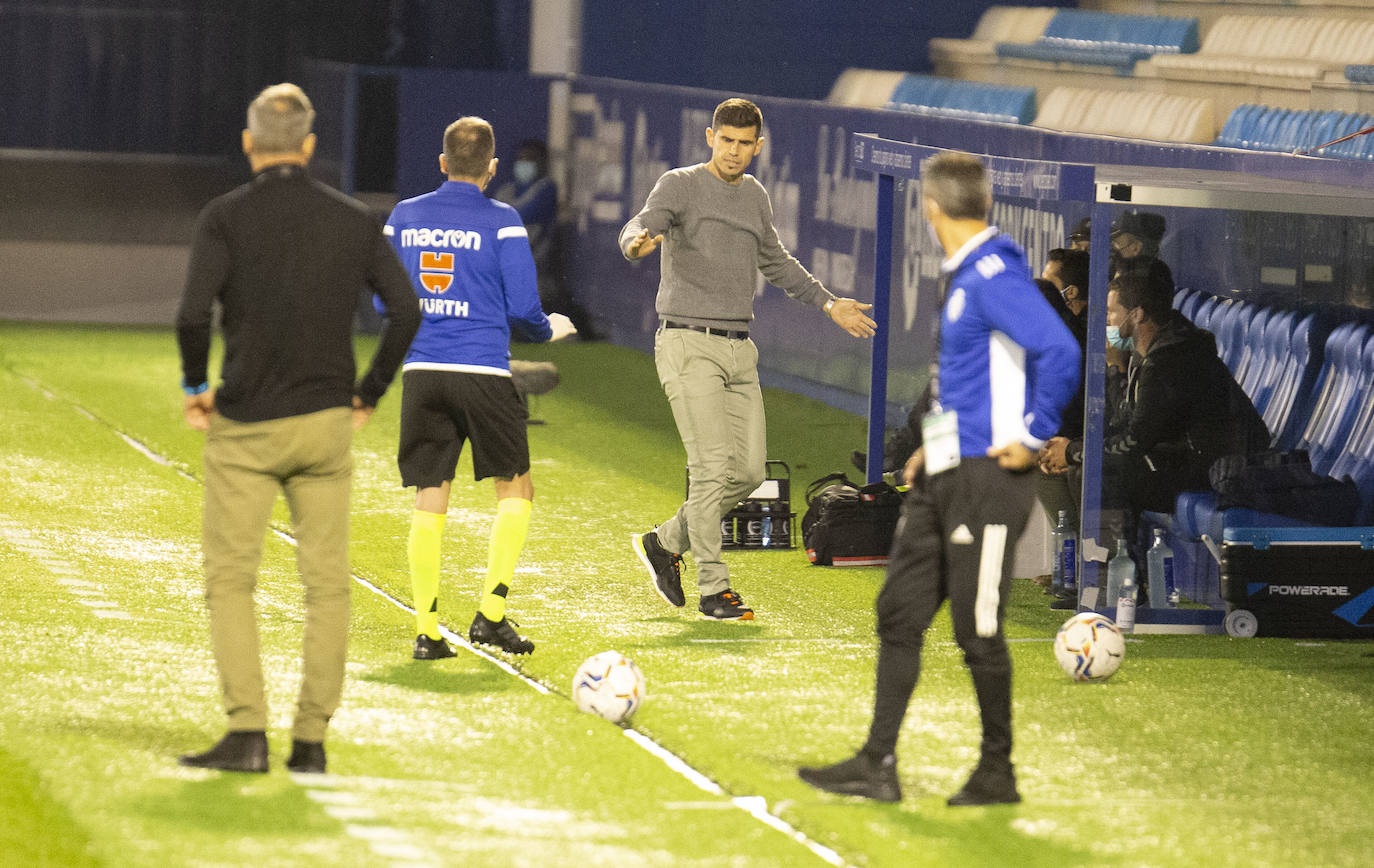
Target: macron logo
458, 239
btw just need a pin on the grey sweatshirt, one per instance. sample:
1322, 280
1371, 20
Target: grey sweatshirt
716, 236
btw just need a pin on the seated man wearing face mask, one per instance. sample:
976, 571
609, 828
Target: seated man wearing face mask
1181, 409
534, 195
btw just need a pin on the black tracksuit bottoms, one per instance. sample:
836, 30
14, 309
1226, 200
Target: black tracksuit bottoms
957, 540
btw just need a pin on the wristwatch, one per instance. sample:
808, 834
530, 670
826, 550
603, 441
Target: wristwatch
829, 305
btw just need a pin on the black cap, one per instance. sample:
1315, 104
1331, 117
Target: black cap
1141, 224
1083, 231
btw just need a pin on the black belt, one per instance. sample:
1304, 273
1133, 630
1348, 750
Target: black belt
720, 333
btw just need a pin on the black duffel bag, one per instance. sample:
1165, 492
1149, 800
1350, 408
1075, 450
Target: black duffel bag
847, 524
1283, 483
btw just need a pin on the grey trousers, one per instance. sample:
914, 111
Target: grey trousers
712, 384
309, 459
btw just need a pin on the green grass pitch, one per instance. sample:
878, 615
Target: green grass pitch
1201, 750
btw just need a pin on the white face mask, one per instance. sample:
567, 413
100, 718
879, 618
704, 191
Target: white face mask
525, 171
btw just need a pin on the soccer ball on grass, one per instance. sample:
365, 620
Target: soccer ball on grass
1089, 647
608, 685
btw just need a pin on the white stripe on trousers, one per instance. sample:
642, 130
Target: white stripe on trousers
989, 579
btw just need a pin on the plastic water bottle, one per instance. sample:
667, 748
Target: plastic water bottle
1120, 574
1068, 559
1057, 561
1125, 604
1159, 565
766, 526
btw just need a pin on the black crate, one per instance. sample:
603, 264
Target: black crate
1308, 582
764, 519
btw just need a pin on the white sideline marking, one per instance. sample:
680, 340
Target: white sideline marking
755, 806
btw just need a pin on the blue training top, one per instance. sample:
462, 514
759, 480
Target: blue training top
1008, 364
469, 260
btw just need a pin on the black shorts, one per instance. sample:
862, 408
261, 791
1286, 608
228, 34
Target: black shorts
441, 410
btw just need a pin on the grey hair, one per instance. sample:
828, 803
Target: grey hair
957, 183
279, 119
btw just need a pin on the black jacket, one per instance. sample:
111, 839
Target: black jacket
285, 258
1186, 410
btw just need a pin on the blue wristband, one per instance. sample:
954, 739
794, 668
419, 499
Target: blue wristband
194, 390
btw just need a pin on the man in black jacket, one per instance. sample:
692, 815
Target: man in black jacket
284, 257
1183, 409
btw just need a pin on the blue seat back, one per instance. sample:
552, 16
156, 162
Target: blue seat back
1267, 128
1355, 457
1341, 393
928, 94
1150, 34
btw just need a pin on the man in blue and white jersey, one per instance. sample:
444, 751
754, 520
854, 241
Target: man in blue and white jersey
469, 260
1008, 365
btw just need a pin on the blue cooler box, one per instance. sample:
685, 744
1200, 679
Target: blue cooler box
1307, 582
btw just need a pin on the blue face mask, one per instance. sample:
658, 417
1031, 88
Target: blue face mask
525, 171
1115, 339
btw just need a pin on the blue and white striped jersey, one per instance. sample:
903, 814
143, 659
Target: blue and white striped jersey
469, 260
1008, 364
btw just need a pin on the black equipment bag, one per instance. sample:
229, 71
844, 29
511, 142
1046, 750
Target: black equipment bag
847, 524
1283, 483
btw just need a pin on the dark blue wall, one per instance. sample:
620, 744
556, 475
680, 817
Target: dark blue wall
792, 48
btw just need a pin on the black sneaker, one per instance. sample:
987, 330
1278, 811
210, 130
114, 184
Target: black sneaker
1065, 600
988, 786
431, 649
725, 606
665, 568
500, 634
861, 775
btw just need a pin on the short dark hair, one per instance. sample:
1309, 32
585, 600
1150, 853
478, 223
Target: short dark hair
469, 145
736, 112
1136, 289
958, 183
1073, 267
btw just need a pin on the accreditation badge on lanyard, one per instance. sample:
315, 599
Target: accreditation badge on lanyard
940, 436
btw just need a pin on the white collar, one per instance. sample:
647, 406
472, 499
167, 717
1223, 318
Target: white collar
970, 245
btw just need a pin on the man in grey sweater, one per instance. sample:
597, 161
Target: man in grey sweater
715, 224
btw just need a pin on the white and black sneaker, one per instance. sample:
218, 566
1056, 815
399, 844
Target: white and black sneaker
665, 568
725, 606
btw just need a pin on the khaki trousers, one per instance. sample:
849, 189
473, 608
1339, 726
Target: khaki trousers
712, 384
309, 459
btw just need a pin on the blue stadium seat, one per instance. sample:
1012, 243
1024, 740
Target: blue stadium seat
928, 94
1291, 401
1268, 359
1362, 73
1342, 389
1205, 312
1266, 128
1186, 302
1106, 39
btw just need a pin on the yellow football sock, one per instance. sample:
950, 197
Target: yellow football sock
426, 532
508, 533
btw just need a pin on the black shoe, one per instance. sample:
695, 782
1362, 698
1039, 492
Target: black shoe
988, 786
306, 757
725, 606
1065, 600
861, 775
665, 568
431, 649
501, 634
242, 751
